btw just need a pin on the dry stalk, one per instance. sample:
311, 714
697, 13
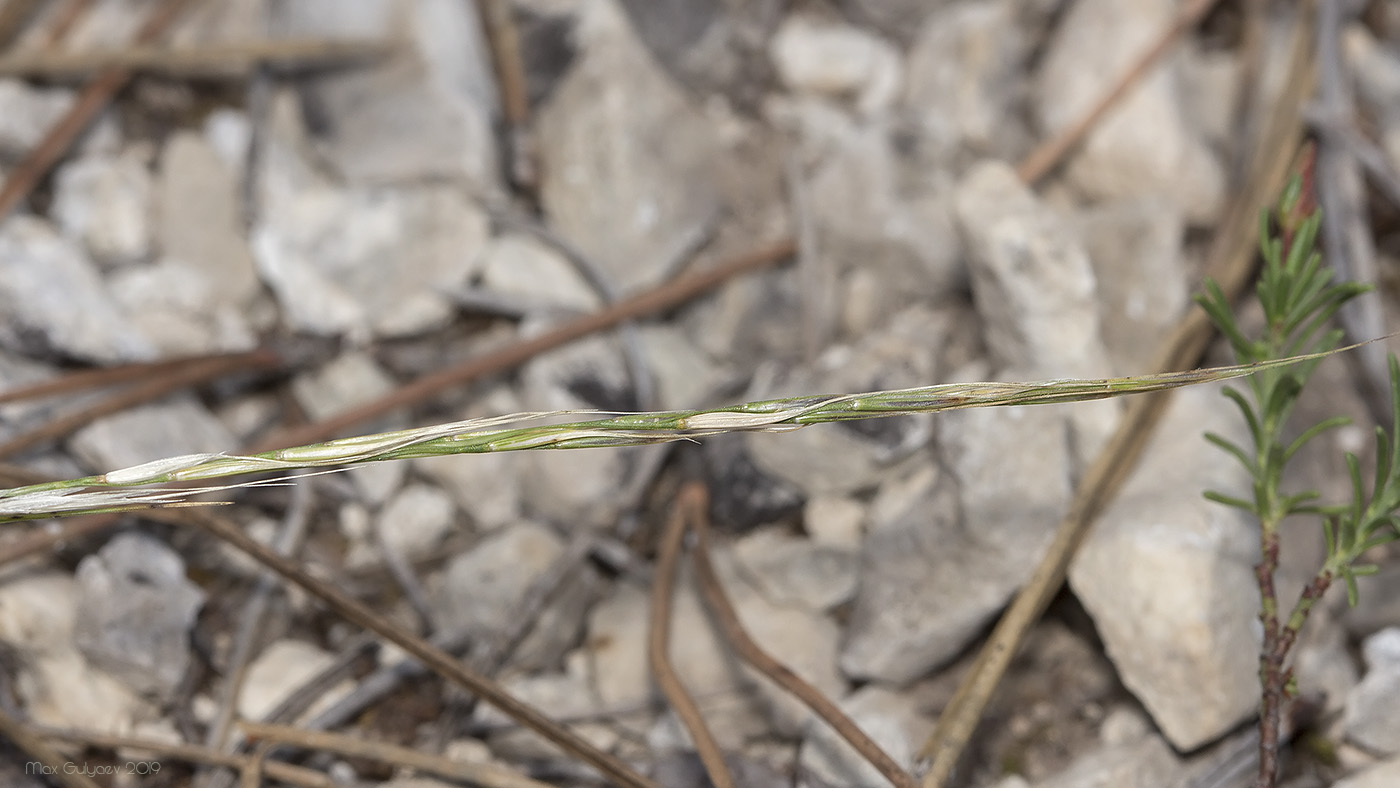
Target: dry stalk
693, 500
658, 645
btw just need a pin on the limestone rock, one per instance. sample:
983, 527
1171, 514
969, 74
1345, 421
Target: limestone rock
53, 299
837, 61
1144, 145
150, 432
105, 202
199, 216
1167, 577
136, 611
609, 188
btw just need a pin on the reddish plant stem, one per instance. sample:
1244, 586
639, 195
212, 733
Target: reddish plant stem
1271, 657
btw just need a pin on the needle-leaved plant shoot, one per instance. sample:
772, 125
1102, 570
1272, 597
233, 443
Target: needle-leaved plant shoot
1299, 297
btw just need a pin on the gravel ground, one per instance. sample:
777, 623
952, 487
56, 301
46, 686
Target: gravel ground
339, 200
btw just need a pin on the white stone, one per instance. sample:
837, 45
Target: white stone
683, 374
525, 269
349, 380
27, 113
416, 520
37, 612
1034, 288
1144, 145
965, 77
838, 61
1371, 718
1031, 279
834, 521
53, 299
425, 113
150, 432
1167, 577
136, 612
1146, 762
940, 559
606, 189
281, 669
481, 587
63, 691
1382, 775
876, 208
836, 459
792, 571
56, 685
180, 309
105, 202
200, 216
1382, 650
359, 261
1135, 248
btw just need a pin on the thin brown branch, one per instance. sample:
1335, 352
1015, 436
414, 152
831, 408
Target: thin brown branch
667, 296
14, 15
93, 100
177, 378
659, 645
65, 20
228, 60
1271, 658
765, 663
483, 774
1048, 154
504, 42
438, 660
55, 765
106, 376
190, 753
1231, 263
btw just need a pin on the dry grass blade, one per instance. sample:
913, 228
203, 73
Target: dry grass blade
667, 296
659, 643
125, 490
436, 659
764, 662
483, 774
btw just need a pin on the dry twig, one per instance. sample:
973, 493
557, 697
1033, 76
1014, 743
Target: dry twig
483, 774
659, 644
440, 662
186, 374
229, 60
93, 100
191, 753
765, 663
106, 376
1048, 154
504, 42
